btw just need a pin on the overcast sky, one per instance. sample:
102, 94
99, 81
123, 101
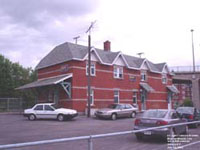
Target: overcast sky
30, 29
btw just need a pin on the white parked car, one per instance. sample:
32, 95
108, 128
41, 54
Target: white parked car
49, 111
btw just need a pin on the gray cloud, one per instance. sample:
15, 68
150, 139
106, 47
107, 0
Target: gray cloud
29, 29
33, 12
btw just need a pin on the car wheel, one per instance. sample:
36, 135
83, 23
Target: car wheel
60, 117
139, 136
31, 117
113, 116
133, 114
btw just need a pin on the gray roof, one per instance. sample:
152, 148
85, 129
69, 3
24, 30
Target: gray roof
69, 51
147, 87
45, 82
173, 88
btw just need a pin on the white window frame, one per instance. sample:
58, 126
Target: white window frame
143, 76
164, 78
135, 97
92, 69
118, 72
116, 95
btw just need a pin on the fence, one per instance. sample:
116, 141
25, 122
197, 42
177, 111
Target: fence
184, 68
90, 138
11, 104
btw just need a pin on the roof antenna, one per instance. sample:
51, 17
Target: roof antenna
76, 39
140, 54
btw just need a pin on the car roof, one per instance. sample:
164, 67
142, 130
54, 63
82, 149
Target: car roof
45, 104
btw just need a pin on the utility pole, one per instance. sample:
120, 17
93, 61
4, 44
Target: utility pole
88, 71
76, 39
193, 51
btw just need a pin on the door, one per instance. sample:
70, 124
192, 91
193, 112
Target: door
169, 100
39, 110
143, 100
49, 112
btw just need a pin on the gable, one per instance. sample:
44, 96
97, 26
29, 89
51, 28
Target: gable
144, 66
165, 70
119, 61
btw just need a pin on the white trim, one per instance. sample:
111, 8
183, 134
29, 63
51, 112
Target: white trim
113, 89
67, 77
116, 58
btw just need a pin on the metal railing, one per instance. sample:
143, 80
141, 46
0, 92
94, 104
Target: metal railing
10, 104
90, 138
184, 68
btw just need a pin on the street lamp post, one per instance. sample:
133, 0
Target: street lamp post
193, 50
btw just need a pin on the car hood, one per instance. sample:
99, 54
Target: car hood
65, 110
27, 110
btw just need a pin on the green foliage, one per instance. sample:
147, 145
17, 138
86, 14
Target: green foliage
13, 75
187, 102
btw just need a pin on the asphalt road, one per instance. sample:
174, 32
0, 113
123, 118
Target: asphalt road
17, 129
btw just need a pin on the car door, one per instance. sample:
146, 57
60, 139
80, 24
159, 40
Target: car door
39, 111
49, 112
122, 111
129, 110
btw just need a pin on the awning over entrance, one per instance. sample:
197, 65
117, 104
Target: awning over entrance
146, 87
46, 81
172, 88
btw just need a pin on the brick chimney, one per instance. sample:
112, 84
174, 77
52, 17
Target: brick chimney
106, 45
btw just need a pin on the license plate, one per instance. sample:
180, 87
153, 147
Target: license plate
147, 132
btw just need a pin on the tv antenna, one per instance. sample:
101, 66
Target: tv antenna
140, 54
76, 39
90, 27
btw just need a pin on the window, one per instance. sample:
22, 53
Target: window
128, 106
118, 72
91, 97
48, 108
116, 96
143, 76
39, 107
134, 97
164, 78
92, 69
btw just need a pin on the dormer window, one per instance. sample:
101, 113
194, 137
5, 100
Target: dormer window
92, 69
118, 72
164, 78
143, 76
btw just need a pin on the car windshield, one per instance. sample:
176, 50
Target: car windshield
187, 110
113, 106
154, 113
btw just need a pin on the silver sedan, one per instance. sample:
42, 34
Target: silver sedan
115, 111
159, 117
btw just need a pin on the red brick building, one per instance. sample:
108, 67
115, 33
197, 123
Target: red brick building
115, 78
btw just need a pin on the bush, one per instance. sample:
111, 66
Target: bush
188, 102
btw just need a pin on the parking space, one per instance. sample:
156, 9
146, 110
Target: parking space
17, 129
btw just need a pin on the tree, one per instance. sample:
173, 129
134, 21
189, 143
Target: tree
13, 75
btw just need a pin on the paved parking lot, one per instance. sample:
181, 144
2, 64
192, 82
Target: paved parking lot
17, 129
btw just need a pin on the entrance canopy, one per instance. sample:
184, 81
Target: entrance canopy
146, 87
46, 82
172, 88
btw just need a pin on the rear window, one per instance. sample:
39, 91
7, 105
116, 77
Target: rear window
154, 113
186, 110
